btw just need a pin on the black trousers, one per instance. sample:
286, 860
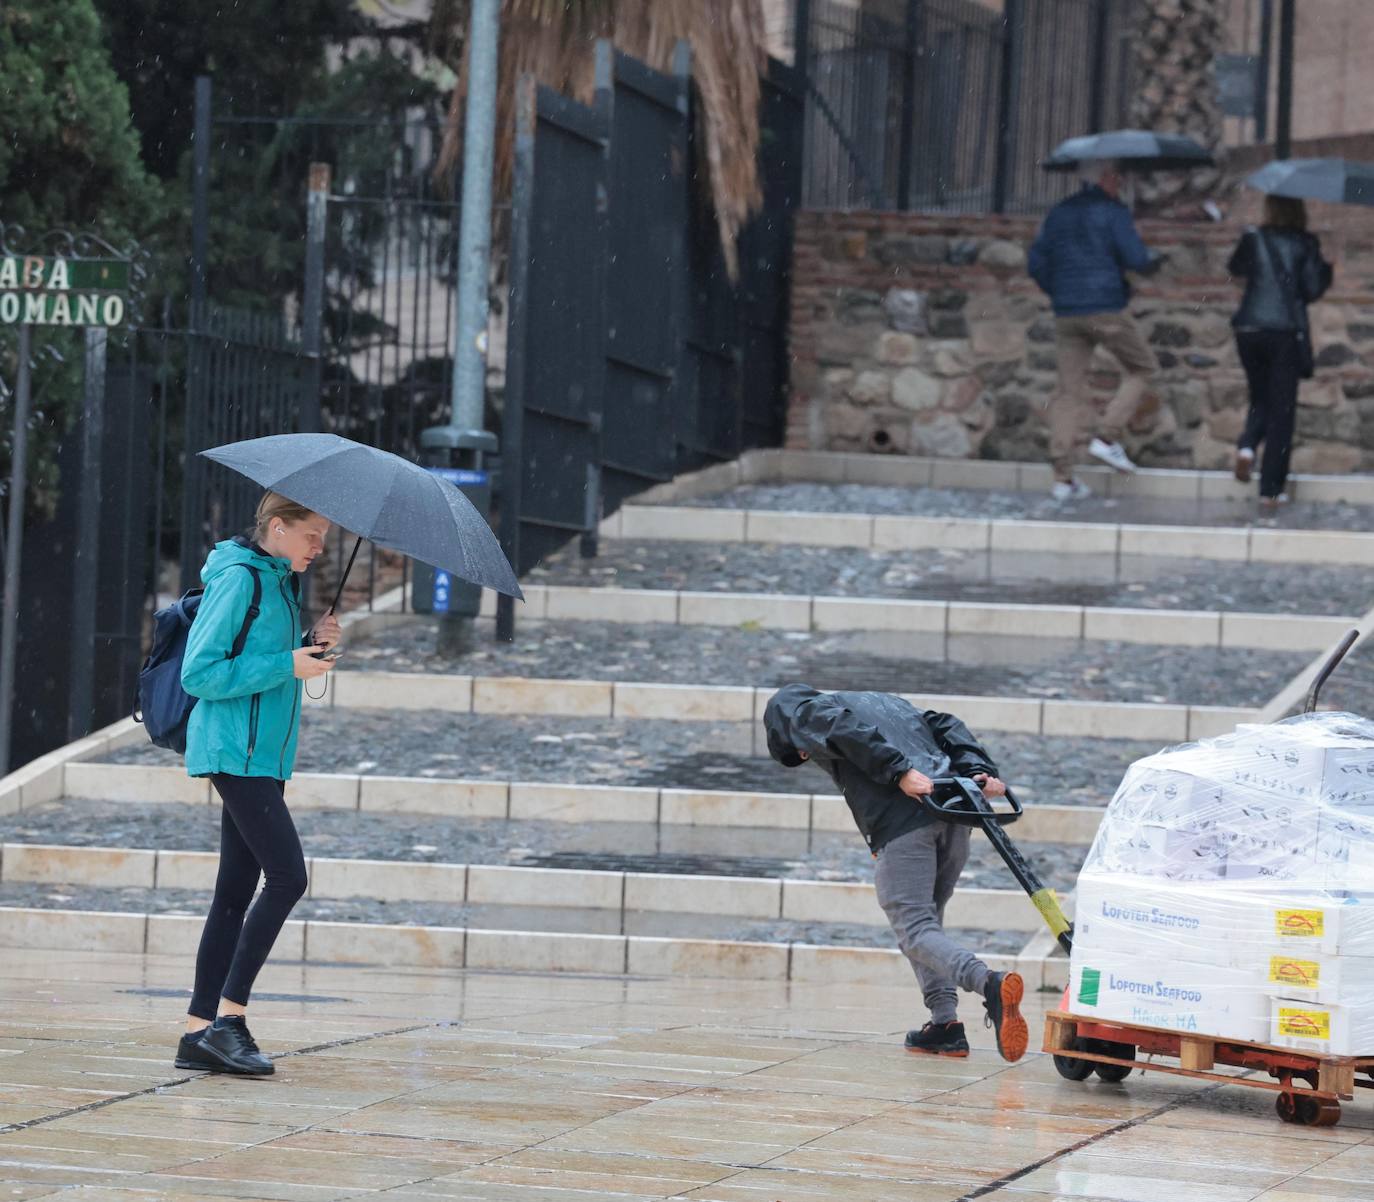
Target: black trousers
1270, 359
257, 837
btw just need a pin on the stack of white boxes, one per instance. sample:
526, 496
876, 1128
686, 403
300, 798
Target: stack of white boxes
1230, 891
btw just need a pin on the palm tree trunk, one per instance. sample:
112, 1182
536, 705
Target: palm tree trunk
1176, 45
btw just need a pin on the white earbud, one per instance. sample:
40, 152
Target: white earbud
281, 530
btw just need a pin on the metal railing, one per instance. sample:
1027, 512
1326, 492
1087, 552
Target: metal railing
949, 105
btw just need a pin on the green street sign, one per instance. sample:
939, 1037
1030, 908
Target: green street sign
51, 291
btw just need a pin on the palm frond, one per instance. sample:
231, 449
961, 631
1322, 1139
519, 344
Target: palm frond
554, 41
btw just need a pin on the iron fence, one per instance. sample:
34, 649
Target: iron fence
949, 105
321, 276
354, 303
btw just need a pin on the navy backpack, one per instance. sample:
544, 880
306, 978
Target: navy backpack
162, 705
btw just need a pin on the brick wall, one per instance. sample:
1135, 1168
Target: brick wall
923, 335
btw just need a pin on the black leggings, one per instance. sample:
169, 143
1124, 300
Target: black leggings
256, 835
1270, 359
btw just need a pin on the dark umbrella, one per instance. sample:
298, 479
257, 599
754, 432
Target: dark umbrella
1133, 149
377, 496
1334, 180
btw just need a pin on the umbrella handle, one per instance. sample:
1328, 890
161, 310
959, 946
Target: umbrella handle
338, 592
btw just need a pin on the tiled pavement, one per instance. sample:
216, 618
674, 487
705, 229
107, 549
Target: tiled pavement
426, 1084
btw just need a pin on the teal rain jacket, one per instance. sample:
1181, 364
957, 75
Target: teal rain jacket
248, 714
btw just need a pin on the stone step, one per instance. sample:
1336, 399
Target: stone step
1220, 544
778, 611
689, 702
768, 466
550, 802
508, 950
488, 885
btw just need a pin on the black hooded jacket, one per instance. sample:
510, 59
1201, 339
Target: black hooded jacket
867, 742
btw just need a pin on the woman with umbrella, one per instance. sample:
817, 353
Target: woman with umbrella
242, 735
242, 732
1284, 272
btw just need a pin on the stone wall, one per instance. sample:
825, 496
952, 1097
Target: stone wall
923, 335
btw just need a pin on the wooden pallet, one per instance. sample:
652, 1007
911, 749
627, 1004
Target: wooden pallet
1291, 1074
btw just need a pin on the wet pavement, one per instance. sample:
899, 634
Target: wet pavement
888, 661
425, 1084
951, 575
644, 753
978, 503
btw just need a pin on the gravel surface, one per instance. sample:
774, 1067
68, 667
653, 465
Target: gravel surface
961, 576
501, 918
976, 503
653, 754
883, 660
615, 847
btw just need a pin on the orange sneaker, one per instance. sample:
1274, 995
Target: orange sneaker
1002, 999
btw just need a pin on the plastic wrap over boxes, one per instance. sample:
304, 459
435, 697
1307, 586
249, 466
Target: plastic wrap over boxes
1230, 890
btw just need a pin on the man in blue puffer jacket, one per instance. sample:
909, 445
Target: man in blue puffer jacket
1086, 245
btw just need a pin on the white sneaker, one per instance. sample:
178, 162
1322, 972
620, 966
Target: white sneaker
1070, 490
1113, 454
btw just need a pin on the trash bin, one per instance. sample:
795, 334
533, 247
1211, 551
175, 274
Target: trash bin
434, 591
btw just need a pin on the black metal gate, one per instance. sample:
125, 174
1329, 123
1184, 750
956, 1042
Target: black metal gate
551, 445
646, 273
633, 354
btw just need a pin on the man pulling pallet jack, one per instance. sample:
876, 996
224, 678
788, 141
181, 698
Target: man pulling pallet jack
915, 782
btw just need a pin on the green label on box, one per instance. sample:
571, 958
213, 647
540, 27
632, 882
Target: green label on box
1089, 986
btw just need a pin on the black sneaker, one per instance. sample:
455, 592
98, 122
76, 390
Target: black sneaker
226, 1047
1002, 999
939, 1039
190, 1055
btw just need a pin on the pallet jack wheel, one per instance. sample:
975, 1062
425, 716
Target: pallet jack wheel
1071, 1069
1113, 1073
1307, 1110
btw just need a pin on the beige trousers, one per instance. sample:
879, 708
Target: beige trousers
1072, 421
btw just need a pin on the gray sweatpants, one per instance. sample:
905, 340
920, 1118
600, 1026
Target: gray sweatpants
915, 877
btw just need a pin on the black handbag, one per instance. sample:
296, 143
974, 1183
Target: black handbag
1297, 312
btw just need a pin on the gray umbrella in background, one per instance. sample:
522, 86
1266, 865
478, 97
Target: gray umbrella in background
1132, 149
377, 496
1337, 181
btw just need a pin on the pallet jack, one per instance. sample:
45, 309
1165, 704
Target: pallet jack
1308, 1087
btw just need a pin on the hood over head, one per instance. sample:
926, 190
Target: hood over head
778, 717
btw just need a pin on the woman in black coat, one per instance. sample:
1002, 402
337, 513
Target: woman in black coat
1284, 272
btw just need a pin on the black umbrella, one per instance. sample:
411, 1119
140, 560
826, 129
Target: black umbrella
1133, 149
377, 496
1334, 180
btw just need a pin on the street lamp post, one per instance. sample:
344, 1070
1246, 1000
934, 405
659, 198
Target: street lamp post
460, 448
